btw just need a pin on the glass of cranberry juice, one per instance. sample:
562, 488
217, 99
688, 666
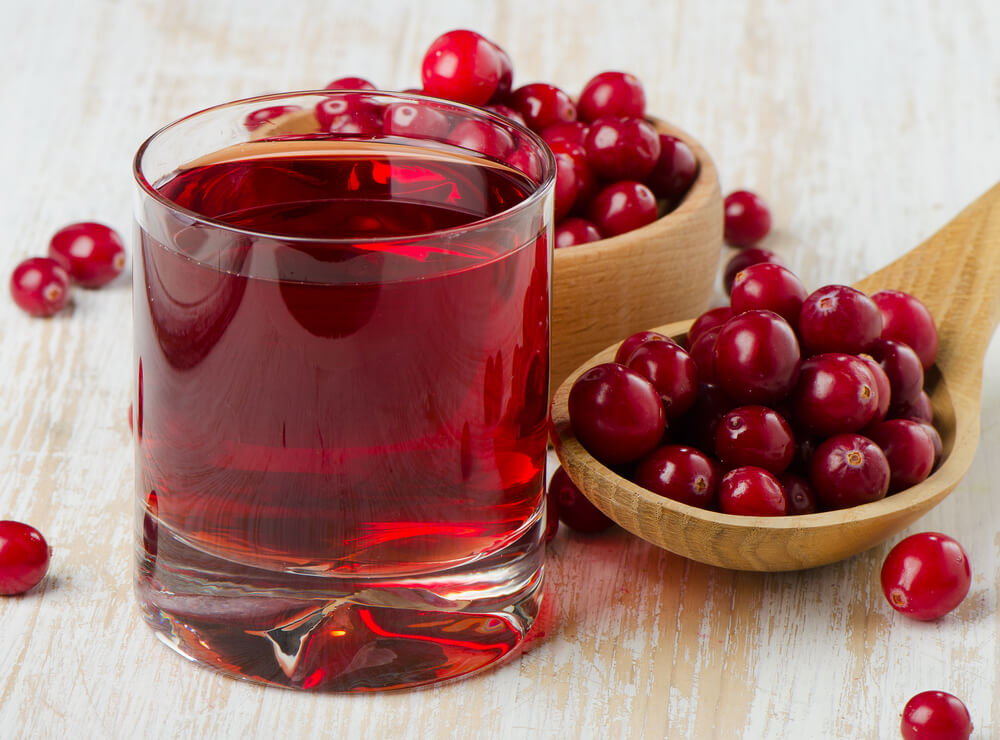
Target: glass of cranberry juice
341, 310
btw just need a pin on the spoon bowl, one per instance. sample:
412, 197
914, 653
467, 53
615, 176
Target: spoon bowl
956, 273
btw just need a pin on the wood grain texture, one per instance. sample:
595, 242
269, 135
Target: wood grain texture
865, 125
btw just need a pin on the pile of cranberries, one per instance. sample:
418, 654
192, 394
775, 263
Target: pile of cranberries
88, 254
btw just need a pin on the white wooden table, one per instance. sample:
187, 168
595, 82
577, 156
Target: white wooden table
867, 125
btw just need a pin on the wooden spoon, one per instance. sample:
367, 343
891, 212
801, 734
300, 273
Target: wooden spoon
956, 273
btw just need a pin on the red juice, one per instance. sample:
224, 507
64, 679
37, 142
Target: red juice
340, 444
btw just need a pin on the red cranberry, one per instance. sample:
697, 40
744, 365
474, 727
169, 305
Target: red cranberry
507, 112
462, 66
848, 470
482, 137
24, 557
571, 160
935, 715
936, 442
752, 491
747, 219
616, 94
506, 75
882, 386
621, 207
40, 286
838, 318
756, 358
350, 83
674, 171
921, 409
680, 473
907, 320
800, 495
703, 353
543, 105
671, 371
757, 436
835, 393
566, 184
575, 132
527, 160
415, 121
256, 119
743, 259
622, 148
712, 317
352, 114
926, 575
575, 511
616, 413
903, 368
633, 341
768, 287
93, 254
907, 447
572, 231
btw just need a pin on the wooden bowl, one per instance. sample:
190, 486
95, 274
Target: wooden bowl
956, 273
663, 272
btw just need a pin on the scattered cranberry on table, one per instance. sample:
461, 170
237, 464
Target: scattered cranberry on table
747, 219
40, 286
574, 510
926, 575
24, 557
935, 715
93, 254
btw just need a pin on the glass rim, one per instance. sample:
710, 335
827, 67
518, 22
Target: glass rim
541, 188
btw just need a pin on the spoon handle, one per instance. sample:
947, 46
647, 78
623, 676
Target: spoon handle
956, 273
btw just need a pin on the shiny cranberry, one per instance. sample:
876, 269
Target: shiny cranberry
906, 319
699, 425
256, 119
679, 473
936, 442
507, 112
575, 511
462, 66
482, 137
353, 114
526, 159
712, 317
926, 575
671, 371
415, 121
674, 171
622, 148
621, 207
616, 413
800, 495
24, 557
757, 436
93, 254
882, 387
575, 132
907, 447
703, 353
506, 74
752, 491
935, 715
566, 184
747, 219
633, 341
835, 393
920, 409
848, 470
768, 287
756, 358
543, 105
903, 368
617, 94
743, 259
571, 160
350, 83
838, 318
40, 286
572, 231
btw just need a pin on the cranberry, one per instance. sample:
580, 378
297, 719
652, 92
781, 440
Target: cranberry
353, 114
256, 119
926, 575
622, 148
712, 317
703, 353
907, 320
621, 207
506, 75
936, 442
800, 495
671, 371
836, 393
768, 287
350, 83
757, 436
572, 231
575, 511
838, 318
616, 413
674, 171
40, 286
907, 447
756, 357
463, 66
527, 160
575, 132
699, 425
752, 491
848, 470
93, 254
571, 162
415, 121
921, 409
743, 259
616, 94
543, 105
551, 515
482, 137
566, 184
633, 341
747, 219
935, 715
680, 473
882, 387
507, 112
24, 557
903, 368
